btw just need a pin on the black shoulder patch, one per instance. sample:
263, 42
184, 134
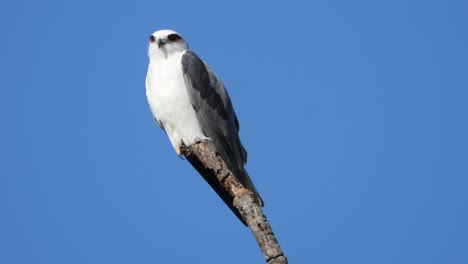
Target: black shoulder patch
195, 71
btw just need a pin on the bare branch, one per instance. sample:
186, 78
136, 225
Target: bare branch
203, 157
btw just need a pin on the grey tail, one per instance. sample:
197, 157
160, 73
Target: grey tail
247, 182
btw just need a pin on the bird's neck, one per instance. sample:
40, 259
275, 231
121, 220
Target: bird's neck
164, 55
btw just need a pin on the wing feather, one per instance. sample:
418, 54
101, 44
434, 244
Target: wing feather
216, 115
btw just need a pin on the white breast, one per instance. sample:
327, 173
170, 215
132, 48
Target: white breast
169, 101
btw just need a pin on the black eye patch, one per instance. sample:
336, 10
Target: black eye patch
173, 37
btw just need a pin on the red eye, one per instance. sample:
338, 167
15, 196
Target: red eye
152, 39
173, 37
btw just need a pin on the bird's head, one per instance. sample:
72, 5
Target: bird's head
166, 42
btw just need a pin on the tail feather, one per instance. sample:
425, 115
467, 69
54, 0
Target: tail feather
247, 182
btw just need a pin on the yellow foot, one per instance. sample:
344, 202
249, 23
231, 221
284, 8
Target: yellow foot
177, 150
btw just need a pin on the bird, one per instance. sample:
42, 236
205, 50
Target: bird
190, 104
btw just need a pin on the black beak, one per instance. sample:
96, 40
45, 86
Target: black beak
160, 43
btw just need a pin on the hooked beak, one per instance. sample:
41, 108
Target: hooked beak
160, 43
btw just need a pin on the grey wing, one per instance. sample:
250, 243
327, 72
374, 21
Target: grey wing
216, 115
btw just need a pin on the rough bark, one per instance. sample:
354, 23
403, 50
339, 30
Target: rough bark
204, 157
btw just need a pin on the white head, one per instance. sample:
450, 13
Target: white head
166, 42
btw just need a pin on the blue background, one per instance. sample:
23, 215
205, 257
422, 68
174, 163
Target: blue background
354, 114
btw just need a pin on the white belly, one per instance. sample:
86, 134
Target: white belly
170, 104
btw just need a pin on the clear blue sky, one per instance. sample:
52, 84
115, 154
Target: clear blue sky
354, 114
